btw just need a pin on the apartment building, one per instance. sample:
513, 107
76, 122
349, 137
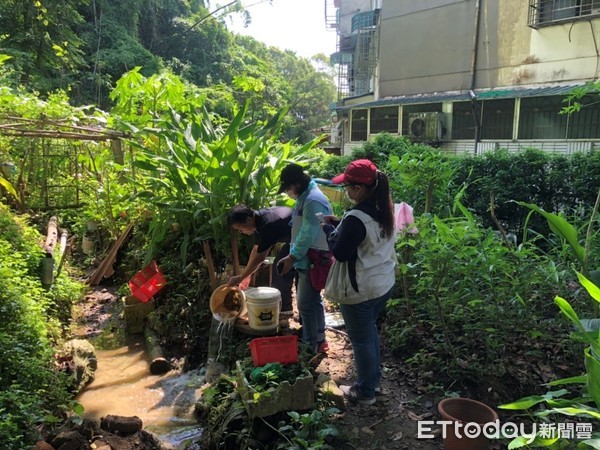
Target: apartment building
466, 75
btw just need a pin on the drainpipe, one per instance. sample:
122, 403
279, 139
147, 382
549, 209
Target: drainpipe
472, 76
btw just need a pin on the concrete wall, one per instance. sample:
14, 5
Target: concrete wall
426, 46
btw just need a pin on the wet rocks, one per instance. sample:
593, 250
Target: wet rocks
121, 425
114, 433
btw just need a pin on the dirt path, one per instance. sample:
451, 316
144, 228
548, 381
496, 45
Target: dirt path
391, 423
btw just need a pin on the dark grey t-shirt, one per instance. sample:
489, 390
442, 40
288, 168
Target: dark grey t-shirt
272, 226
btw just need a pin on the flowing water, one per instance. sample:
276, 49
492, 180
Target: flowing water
124, 386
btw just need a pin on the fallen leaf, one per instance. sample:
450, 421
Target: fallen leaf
367, 430
414, 416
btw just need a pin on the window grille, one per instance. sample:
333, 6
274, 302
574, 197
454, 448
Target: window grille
497, 119
358, 130
384, 120
550, 12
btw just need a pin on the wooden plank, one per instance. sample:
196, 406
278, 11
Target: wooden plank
105, 269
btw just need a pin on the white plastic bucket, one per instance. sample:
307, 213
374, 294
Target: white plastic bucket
263, 304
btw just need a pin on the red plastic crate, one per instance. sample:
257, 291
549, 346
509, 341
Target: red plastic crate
281, 349
147, 282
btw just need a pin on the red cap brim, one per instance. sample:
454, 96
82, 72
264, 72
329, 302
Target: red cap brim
339, 179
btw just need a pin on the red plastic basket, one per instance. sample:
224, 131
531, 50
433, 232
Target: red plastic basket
281, 349
147, 282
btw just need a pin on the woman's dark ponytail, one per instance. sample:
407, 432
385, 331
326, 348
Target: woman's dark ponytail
383, 202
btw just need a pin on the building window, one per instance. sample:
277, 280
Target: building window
384, 120
463, 123
408, 109
549, 12
540, 118
585, 124
497, 119
358, 127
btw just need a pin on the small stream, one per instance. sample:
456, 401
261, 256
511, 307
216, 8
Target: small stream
123, 386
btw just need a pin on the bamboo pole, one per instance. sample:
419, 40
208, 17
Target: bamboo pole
51, 236
212, 273
158, 362
235, 254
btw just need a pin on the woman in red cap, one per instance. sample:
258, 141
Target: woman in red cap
363, 275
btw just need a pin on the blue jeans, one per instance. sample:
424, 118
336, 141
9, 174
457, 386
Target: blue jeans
310, 307
283, 283
361, 325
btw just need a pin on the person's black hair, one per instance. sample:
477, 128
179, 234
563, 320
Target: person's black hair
239, 214
293, 174
380, 194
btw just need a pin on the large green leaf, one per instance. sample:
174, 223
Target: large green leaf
562, 228
592, 289
575, 411
524, 403
590, 443
9, 187
581, 379
568, 311
592, 365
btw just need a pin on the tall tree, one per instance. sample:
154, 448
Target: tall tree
41, 37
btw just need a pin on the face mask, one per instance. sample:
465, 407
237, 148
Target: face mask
348, 197
291, 193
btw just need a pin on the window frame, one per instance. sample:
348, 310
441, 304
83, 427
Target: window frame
384, 124
359, 134
543, 13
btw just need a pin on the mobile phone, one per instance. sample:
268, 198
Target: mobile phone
320, 216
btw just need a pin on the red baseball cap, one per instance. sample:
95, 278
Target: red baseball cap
361, 171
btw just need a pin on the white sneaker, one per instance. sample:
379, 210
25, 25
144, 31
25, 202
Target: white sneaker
356, 397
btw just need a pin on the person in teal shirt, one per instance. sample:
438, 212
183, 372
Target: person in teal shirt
306, 234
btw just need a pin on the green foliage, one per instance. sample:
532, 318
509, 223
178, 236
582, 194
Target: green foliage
473, 291
30, 390
197, 169
584, 402
42, 38
384, 147
324, 165
552, 182
421, 169
309, 430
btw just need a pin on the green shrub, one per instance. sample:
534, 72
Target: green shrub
32, 319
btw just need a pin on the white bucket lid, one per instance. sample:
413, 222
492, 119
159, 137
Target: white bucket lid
262, 293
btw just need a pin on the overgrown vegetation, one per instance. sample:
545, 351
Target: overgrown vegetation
84, 48
222, 407
32, 392
474, 310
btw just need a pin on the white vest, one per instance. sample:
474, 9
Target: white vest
375, 266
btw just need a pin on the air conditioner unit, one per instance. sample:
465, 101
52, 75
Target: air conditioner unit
426, 126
